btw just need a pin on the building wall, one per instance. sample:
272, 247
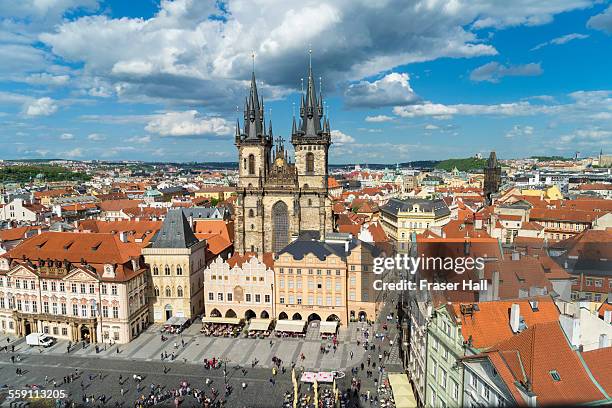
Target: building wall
114, 311
250, 287
444, 370
15, 211
192, 261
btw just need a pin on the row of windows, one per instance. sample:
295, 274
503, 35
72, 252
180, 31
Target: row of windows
311, 284
328, 272
168, 291
229, 297
58, 308
591, 297
440, 376
61, 286
311, 300
225, 277
167, 270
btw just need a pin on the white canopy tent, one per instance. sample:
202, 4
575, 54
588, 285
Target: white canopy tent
176, 321
292, 326
221, 320
328, 327
260, 324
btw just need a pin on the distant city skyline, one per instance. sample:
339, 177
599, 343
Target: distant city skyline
404, 81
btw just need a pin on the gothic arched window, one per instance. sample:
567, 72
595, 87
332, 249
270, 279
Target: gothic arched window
168, 291
179, 270
155, 270
156, 291
179, 291
251, 213
251, 164
309, 162
167, 270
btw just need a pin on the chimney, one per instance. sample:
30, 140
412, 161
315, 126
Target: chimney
575, 334
603, 340
608, 316
495, 285
515, 314
123, 236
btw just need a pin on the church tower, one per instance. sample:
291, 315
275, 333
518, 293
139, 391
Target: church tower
254, 145
492, 178
278, 199
311, 139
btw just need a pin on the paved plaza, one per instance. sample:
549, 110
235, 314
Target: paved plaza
143, 357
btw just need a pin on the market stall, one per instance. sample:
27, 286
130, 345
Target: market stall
290, 328
259, 327
221, 326
175, 325
402, 391
328, 329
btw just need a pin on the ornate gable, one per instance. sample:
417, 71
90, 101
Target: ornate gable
22, 272
81, 275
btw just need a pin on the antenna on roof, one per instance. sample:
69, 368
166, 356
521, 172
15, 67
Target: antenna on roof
253, 59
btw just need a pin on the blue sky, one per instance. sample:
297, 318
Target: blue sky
404, 80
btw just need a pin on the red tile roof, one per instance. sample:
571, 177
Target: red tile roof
533, 354
491, 323
599, 362
97, 249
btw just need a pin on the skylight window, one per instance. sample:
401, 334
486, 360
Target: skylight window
555, 375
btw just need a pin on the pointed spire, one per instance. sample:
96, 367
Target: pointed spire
311, 107
270, 130
294, 127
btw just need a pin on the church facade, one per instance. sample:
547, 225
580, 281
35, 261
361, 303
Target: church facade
277, 198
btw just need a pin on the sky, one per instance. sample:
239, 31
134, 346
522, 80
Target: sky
403, 80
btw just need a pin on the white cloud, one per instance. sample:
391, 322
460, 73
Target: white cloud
392, 89
427, 109
188, 123
378, 118
439, 111
431, 127
602, 21
494, 71
41, 107
518, 130
340, 138
139, 139
591, 138
66, 136
561, 40
74, 153
45, 78
96, 137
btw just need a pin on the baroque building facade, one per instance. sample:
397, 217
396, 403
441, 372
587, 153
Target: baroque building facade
74, 286
278, 199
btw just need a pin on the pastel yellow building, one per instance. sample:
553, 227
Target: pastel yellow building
330, 280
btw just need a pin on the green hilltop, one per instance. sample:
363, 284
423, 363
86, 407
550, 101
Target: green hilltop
471, 163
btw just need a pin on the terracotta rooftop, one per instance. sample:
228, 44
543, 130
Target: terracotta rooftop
96, 249
532, 357
491, 323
